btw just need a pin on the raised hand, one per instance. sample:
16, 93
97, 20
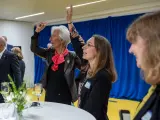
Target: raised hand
81, 40
40, 26
69, 14
71, 27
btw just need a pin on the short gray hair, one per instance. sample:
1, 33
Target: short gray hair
5, 38
64, 33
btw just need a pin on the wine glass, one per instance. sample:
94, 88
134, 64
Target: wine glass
38, 91
4, 89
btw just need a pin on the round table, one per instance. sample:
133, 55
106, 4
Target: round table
56, 111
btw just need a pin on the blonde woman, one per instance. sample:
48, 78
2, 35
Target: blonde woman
144, 35
18, 52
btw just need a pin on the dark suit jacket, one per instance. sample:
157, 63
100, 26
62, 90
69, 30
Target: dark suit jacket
9, 64
46, 65
22, 69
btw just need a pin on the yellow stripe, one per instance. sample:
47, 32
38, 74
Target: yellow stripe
150, 91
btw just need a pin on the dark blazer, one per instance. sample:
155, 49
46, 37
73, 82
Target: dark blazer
95, 91
152, 104
71, 62
46, 65
22, 68
9, 64
94, 98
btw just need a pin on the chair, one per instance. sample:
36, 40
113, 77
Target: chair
124, 115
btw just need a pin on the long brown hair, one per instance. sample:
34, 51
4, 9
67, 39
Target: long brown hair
104, 57
148, 28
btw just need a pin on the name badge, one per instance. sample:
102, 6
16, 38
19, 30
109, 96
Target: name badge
147, 116
88, 85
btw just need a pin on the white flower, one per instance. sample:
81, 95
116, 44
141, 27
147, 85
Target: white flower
12, 95
28, 99
20, 92
9, 98
24, 94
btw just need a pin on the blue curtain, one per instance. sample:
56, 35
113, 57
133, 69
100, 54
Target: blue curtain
129, 84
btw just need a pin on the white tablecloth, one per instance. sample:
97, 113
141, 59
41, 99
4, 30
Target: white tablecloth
7, 112
56, 111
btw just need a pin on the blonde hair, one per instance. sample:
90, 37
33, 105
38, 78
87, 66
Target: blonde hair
18, 52
148, 28
104, 58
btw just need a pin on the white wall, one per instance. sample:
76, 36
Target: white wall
19, 34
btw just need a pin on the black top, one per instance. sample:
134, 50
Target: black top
95, 94
22, 68
95, 91
57, 89
151, 108
72, 61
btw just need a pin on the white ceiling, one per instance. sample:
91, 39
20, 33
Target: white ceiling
55, 9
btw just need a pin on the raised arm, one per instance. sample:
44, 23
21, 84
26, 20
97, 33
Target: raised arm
34, 41
76, 39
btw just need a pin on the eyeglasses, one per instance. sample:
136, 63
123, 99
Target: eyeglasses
89, 45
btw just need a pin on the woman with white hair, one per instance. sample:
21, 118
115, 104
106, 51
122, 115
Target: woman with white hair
59, 83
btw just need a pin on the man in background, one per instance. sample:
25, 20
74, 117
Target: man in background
9, 64
8, 47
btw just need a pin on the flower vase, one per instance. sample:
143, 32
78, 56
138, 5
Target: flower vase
19, 115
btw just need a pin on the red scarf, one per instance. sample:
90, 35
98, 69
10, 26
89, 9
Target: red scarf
58, 59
